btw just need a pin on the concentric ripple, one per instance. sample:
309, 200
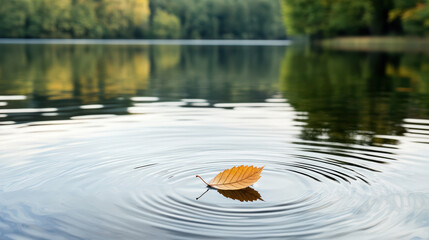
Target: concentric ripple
133, 177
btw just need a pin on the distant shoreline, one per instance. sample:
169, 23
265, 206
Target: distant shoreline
146, 42
368, 43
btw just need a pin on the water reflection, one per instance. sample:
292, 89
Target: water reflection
243, 195
112, 147
87, 74
70, 76
344, 97
355, 97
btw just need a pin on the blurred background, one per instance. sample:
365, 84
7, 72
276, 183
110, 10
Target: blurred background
186, 19
211, 19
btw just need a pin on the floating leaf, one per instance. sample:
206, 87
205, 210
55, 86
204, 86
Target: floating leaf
235, 178
243, 195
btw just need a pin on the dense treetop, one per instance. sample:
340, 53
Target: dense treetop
205, 19
326, 18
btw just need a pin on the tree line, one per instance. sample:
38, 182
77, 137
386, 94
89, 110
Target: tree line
327, 18
187, 19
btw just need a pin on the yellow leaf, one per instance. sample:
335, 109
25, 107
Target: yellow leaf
235, 178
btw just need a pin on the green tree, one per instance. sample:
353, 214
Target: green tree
13, 17
165, 25
350, 17
206, 19
141, 13
225, 19
414, 16
115, 18
304, 16
44, 20
83, 21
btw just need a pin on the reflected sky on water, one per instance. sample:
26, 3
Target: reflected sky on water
104, 142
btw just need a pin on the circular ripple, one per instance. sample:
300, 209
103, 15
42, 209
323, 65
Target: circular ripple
293, 205
134, 177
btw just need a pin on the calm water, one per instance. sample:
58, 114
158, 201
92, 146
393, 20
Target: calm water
104, 142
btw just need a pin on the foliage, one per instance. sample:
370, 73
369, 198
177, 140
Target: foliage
165, 25
13, 17
416, 19
207, 19
349, 17
225, 19
303, 16
73, 18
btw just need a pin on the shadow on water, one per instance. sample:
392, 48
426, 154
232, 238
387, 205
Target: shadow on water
243, 195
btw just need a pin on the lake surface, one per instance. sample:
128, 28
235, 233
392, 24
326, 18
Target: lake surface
104, 142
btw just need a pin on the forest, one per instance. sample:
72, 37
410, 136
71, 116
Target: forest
329, 18
212, 19
159, 19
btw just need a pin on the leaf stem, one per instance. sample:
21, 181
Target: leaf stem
198, 176
203, 194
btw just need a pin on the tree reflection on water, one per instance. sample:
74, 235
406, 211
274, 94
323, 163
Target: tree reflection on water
353, 97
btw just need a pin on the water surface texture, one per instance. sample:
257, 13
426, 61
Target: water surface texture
104, 142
